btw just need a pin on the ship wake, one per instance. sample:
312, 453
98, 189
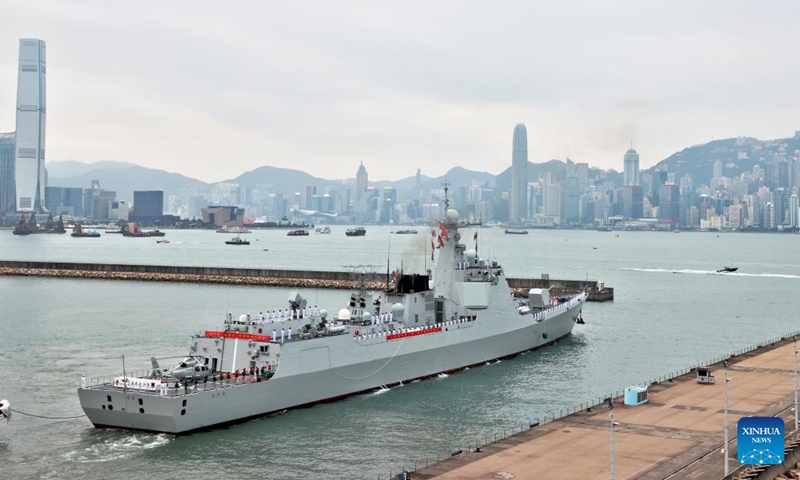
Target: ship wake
118, 448
712, 272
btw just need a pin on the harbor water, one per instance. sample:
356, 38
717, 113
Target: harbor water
671, 310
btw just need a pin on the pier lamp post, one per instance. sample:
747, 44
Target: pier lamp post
795, 382
610, 402
725, 445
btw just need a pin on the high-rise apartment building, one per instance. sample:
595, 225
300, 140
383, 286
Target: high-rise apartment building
631, 173
519, 175
30, 136
7, 156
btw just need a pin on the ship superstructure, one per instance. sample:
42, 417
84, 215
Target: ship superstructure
458, 314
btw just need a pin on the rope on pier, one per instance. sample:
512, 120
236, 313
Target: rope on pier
47, 418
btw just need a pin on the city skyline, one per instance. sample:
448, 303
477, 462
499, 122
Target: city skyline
384, 84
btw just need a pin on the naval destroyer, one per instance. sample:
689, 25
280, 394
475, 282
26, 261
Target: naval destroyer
460, 313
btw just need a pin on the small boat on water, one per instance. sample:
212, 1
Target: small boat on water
326, 229
410, 231
162, 241
298, 233
237, 240
516, 232
727, 269
356, 232
133, 229
79, 232
605, 229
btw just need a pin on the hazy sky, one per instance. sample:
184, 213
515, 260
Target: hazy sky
212, 89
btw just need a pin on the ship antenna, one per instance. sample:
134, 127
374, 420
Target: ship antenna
445, 184
388, 256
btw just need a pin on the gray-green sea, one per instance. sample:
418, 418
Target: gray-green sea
671, 310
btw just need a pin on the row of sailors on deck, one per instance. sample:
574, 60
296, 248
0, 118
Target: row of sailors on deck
288, 314
385, 317
383, 333
283, 334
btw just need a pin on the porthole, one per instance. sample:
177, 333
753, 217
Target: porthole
141, 410
183, 412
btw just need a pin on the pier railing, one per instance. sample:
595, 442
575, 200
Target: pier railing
509, 430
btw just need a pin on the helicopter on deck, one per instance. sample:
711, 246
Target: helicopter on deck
188, 369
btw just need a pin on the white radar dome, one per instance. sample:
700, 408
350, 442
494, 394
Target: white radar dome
472, 255
398, 310
344, 314
367, 317
452, 214
323, 313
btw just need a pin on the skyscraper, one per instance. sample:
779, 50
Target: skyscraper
30, 136
362, 181
7, 155
631, 175
519, 175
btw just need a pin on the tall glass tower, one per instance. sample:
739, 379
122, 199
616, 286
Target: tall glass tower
631, 172
31, 111
362, 181
519, 175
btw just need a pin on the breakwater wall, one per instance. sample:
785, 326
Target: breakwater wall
260, 276
175, 273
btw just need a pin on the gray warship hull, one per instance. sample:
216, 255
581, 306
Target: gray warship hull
460, 314
330, 370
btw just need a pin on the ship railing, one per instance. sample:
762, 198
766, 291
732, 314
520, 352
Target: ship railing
210, 383
590, 407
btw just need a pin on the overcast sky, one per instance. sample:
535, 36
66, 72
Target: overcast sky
212, 89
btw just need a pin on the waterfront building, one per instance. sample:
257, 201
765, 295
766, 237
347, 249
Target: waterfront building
30, 135
572, 200
53, 196
633, 201
147, 205
669, 208
7, 156
794, 206
631, 174
519, 175
223, 216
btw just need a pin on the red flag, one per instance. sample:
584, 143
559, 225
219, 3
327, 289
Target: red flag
441, 241
433, 247
444, 230
475, 237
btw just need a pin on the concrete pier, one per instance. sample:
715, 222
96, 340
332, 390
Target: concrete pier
251, 276
678, 434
